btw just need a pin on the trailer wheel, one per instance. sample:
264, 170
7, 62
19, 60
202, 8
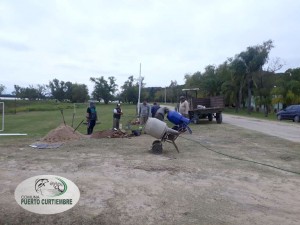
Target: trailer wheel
157, 147
210, 117
219, 117
195, 119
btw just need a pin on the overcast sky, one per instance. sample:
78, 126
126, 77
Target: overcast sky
73, 40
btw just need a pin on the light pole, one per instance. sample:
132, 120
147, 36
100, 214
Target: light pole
140, 84
276, 97
165, 94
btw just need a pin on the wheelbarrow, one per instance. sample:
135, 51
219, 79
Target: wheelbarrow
159, 129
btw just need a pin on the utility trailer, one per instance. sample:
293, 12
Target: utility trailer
201, 108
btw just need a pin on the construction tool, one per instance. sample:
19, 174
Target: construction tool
73, 119
78, 126
62, 113
74, 112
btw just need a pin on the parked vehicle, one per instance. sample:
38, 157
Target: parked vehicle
202, 108
291, 112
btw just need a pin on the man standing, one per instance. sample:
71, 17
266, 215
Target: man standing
154, 108
91, 117
144, 112
161, 112
116, 117
184, 107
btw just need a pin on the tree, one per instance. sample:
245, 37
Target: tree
228, 86
211, 81
238, 69
174, 91
254, 58
42, 91
288, 86
68, 90
264, 83
104, 89
151, 95
194, 80
30, 92
2, 88
130, 90
60, 90
79, 93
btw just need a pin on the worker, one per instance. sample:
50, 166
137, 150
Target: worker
91, 117
184, 107
160, 113
154, 108
144, 112
117, 112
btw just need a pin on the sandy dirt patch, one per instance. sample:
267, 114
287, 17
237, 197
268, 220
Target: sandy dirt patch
121, 182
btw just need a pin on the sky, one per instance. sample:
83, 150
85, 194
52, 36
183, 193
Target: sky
73, 40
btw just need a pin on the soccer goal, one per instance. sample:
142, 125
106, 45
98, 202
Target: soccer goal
2, 115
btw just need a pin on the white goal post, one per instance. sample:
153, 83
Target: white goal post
2, 111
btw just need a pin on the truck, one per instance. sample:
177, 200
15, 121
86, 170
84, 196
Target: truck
204, 108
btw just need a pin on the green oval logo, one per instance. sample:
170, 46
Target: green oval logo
47, 194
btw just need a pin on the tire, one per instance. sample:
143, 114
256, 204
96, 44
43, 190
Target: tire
297, 119
195, 119
210, 117
279, 117
157, 147
219, 118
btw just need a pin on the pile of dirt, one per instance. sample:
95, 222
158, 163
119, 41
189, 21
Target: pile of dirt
110, 134
62, 133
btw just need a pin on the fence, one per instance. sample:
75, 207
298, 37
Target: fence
2, 112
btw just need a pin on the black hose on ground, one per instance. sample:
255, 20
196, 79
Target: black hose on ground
241, 159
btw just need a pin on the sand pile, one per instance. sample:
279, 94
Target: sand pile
61, 134
109, 134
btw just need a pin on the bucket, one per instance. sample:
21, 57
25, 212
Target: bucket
156, 128
136, 132
177, 118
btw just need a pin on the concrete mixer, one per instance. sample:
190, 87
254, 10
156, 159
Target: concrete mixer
160, 130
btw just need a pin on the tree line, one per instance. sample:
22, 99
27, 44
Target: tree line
241, 79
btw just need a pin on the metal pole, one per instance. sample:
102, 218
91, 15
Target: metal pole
74, 111
62, 113
165, 95
2, 116
140, 84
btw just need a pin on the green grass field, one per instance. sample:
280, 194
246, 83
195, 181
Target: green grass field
37, 118
38, 123
259, 115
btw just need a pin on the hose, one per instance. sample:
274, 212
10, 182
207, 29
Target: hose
241, 159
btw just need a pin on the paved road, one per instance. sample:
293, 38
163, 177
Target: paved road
287, 130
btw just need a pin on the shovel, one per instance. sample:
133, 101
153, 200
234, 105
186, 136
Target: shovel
62, 113
78, 126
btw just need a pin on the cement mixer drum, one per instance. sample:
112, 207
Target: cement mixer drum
156, 128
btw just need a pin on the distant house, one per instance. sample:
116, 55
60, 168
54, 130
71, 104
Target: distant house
8, 97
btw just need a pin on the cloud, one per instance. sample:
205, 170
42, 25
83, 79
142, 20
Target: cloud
75, 40
14, 46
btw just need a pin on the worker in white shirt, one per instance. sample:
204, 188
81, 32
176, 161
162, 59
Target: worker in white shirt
184, 107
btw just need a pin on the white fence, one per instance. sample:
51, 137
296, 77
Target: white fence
2, 112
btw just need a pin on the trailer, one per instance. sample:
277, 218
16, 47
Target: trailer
204, 108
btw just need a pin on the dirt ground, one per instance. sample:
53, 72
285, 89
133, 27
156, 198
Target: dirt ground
121, 182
